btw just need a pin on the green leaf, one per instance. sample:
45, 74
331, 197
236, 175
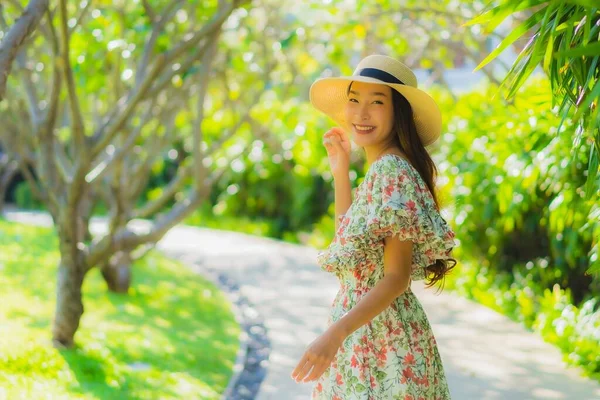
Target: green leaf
592, 49
592, 173
548, 54
586, 31
542, 37
551, 43
530, 64
494, 17
583, 3
564, 107
592, 95
512, 37
594, 270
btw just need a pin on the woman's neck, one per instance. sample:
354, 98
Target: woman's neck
373, 155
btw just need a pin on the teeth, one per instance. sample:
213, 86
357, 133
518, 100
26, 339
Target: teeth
363, 128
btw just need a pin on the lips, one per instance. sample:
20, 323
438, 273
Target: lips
364, 129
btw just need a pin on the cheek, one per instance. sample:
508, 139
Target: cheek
348, 111
385, 119
383, 116
388, 116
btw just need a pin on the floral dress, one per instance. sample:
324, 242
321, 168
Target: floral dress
394, 356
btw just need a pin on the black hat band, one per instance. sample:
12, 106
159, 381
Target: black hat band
379, 74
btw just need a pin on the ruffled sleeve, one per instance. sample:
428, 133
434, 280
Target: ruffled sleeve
400, 204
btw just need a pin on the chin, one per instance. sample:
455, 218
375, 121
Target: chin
364, 140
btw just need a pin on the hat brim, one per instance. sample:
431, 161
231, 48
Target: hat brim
329, 95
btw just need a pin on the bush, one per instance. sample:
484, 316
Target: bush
24, 197
517, 189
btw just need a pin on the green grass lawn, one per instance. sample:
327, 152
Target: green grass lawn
173, 337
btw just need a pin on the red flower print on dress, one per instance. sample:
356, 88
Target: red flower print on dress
409, 359
389, 190
407, 374
354, 362
381, 354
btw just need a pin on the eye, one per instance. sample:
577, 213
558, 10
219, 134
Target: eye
377, 102
353, 100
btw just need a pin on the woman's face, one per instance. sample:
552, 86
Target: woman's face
369, 113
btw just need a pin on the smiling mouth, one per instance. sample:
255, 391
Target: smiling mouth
364, 128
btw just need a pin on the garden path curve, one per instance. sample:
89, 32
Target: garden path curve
486, 355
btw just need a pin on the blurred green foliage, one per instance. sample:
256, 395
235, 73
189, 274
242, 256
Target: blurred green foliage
24, 198
518, 189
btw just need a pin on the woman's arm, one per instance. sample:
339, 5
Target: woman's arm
318, 356
343, 197
397, 259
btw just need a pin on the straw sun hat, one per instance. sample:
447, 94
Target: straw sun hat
329, 95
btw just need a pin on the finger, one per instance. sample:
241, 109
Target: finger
317, 372
330, 132
301, 363
337, 142
335, 132
338, 131
327, 138
304, 370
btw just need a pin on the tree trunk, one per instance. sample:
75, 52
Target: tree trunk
8, 170
69, 305
85, 215
117, 272
16, 35
2, 197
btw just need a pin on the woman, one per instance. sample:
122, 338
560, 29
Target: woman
379, 344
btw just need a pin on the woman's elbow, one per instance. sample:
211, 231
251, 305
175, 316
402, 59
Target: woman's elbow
398, 284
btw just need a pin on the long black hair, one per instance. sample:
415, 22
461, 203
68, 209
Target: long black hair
406, 138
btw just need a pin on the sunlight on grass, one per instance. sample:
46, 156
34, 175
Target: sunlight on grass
262, 227
174, 336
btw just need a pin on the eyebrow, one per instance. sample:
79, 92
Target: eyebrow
373, 93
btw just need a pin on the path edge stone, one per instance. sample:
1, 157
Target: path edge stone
239, 306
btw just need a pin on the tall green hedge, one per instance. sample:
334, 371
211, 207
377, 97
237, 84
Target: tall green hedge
517, 193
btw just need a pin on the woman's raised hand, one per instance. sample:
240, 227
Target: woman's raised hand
337, 145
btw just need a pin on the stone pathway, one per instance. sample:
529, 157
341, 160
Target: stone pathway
486, 356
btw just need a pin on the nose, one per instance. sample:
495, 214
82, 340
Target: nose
363, 113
